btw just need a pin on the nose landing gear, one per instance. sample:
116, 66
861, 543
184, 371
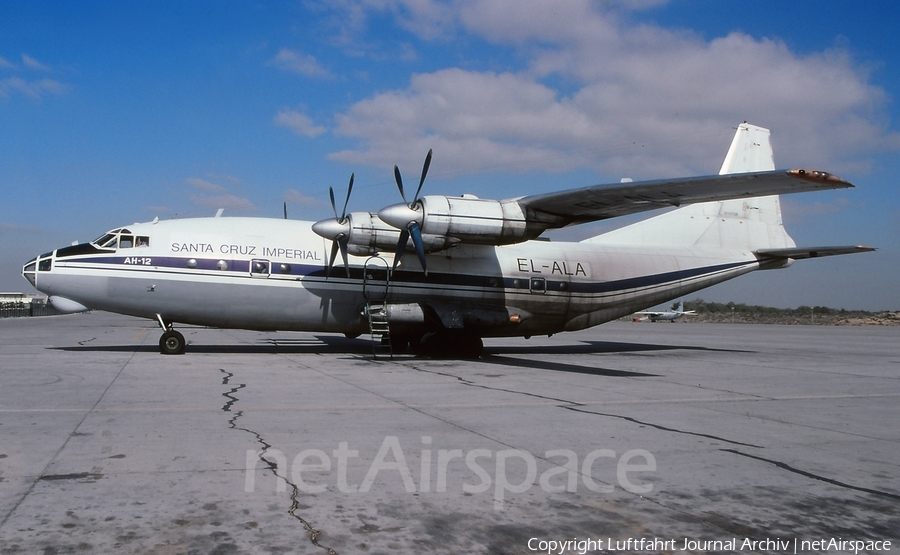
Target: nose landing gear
171, 342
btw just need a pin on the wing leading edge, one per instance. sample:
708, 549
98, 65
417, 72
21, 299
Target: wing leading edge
600, 202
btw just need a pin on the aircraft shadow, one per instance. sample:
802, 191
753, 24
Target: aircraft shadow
339, 345
326, 344
561, 367
594, 347
494, 355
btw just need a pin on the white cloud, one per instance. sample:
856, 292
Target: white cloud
635, 99
31, 63
33, 89
217, 196
296, 197
297, 62
226, 201
6, 64
204, 185
299, 123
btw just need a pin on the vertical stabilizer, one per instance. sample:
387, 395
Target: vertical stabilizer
746, 224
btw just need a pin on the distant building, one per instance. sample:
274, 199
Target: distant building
19, 305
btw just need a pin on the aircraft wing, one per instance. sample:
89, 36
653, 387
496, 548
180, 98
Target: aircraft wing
798, 253
601, 202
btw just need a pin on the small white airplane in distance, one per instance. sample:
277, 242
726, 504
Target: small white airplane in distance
667, 315
478, 271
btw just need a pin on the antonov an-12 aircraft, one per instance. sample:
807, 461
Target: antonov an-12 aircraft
476, 268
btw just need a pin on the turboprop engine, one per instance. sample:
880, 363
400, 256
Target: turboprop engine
466, 218
432, 223
364, 233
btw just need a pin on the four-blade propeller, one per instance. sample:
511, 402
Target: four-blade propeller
338, 230
408, 220
407, 217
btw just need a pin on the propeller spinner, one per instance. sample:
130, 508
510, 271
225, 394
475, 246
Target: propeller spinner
338, 230
406, 217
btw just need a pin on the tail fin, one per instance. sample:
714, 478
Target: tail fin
749, 224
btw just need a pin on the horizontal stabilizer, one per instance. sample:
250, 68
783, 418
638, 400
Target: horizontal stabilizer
798, 253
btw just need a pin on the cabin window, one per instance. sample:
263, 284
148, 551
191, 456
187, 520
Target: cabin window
259, 267
126, 241
142, 241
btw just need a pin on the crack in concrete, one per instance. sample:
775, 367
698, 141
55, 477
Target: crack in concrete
575, 406
313, 533
230, 395
831, 481
663, 428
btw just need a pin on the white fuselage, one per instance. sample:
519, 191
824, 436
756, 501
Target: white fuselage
266, 274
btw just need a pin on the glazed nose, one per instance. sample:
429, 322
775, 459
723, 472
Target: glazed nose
42, 263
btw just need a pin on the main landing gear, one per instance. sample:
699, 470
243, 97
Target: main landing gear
171, 342
440, 344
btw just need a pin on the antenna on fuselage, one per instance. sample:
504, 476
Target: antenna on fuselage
219, 212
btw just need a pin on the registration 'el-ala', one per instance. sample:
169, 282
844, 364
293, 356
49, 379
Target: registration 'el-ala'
477, 268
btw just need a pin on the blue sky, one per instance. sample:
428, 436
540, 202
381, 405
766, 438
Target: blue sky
114, 112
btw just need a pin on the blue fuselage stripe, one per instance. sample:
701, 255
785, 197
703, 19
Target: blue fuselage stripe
210, 266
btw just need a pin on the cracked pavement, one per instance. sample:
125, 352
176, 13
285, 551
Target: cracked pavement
302, 443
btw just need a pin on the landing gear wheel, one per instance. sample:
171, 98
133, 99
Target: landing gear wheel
171, 343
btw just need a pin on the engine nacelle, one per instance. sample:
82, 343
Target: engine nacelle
474, 220
466, 218
369, 234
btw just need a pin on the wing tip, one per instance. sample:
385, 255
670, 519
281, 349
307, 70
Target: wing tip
818, 176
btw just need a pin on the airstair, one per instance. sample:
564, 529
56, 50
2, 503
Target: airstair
375, 291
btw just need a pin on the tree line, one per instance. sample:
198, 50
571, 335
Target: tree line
703, 307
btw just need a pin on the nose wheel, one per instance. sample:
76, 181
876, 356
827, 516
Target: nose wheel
171, 343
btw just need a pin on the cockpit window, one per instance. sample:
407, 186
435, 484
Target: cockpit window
108, 240
122, 239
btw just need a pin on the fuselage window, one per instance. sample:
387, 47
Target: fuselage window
259, 267
142, 241
126, 241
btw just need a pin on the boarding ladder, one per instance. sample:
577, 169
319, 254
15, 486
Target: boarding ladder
375, 290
